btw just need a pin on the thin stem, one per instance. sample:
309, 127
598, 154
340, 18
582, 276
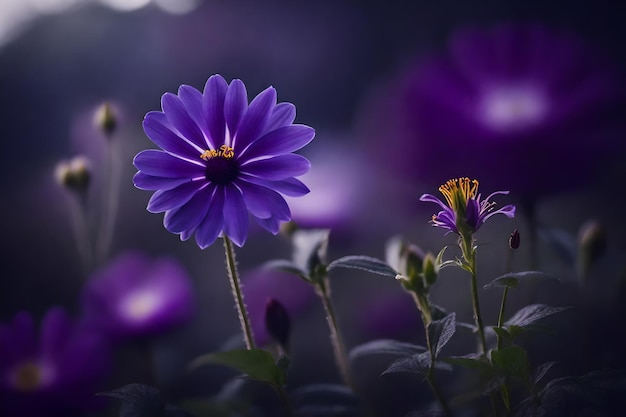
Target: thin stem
323, 290
501, 316
469, 254
285, 400
111, 186
81, 231
435, 390
233, 275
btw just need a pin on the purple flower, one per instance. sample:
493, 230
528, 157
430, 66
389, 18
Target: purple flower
524, 107
53, 373
221, 159
464, 211
137, 296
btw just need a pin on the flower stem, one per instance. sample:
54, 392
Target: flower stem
81, 231
233, 275
112, 174
285, 400
323, 290
469, 254
501, 316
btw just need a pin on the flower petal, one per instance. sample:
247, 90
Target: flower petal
213, 223
164, 200
235, 105
55, 330
189, 215
213, 105
193, 102
161, 164
148, 182
178, 117
283, 115
277, 167
272, 225
508, 211
291, 187
263, 202
255, 119
432, 199
235, 216
283, 140
157, 128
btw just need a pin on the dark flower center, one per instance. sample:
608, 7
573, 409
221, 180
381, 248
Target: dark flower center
221, 167
27, 377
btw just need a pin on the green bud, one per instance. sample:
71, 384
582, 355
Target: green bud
431, 270
75, 174
106, 119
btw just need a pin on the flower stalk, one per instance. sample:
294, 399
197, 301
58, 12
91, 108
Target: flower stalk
469, 256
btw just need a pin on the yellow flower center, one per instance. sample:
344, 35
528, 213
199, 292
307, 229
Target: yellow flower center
27, 377
224, 151
458, 191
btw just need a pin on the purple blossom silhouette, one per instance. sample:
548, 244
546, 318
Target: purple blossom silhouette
53, 372
221, 159
136, 296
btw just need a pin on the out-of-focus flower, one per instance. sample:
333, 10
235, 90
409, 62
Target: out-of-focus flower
464, 211
390, 316
74, 174
55, 372
221, 159
135, 296
526, 108
261, 284
277, 322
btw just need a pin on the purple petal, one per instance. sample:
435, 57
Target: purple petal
235, 216
213, 105
157, 128
291, 187
55, 330
263, 202
148, 182
189, 215
283, 140
161, 164
213, 223
283, 115
235, 105
164, 200
508, 211
278, 167
178, 117
495, 193
272, 225
254, 121
193, 101
432, 199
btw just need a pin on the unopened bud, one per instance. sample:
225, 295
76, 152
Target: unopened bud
106, 119
514, 239
74, 174
591, 245
430, 271
277, 322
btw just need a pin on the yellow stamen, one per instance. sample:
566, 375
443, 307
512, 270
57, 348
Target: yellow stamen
459, 191
224, 151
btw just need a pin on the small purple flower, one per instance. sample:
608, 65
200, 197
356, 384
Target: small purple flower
137, 296
221, 159
53, 373
464, 211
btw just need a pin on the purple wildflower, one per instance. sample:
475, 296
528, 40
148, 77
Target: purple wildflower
55, 373
222, 158
137, 296
464, 211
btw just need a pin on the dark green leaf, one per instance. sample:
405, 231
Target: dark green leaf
503, 334
385, 346
138, 400
532, 313
472, 361
325, 400
416, 364
440, 332
288, 266
365, 263
513, 360
255, 363
512, 279
541, 371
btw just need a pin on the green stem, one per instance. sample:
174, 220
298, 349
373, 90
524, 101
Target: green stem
81, 231
112, 174
435, 390
285, 400
469, 254
323, 290
231, 266
501, 316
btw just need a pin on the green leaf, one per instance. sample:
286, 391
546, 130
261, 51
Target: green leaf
541, 371
385, 346
512, 279
416, 364
255, 363
503, 334
472, 361
365, 263
512, 360
440, 332
287, 266
532, 313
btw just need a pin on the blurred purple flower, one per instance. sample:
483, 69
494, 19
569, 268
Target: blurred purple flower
137, 296
389, 316
523, 107
262, 284
53, 373
221, 159
464, 210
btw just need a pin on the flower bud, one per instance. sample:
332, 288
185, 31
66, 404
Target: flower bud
514, 239
277, 322
105, 119
431, 270
591, 245
74, 174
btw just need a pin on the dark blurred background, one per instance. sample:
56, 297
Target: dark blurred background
60, 59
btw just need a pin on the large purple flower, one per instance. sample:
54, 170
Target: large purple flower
55, 372
524, 107
464, 211
137, 296
221, 159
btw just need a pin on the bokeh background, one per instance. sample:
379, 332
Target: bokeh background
352, 68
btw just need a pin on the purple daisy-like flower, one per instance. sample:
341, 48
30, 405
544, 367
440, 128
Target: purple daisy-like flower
53, 372
138, 296
221, 159
464, 210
